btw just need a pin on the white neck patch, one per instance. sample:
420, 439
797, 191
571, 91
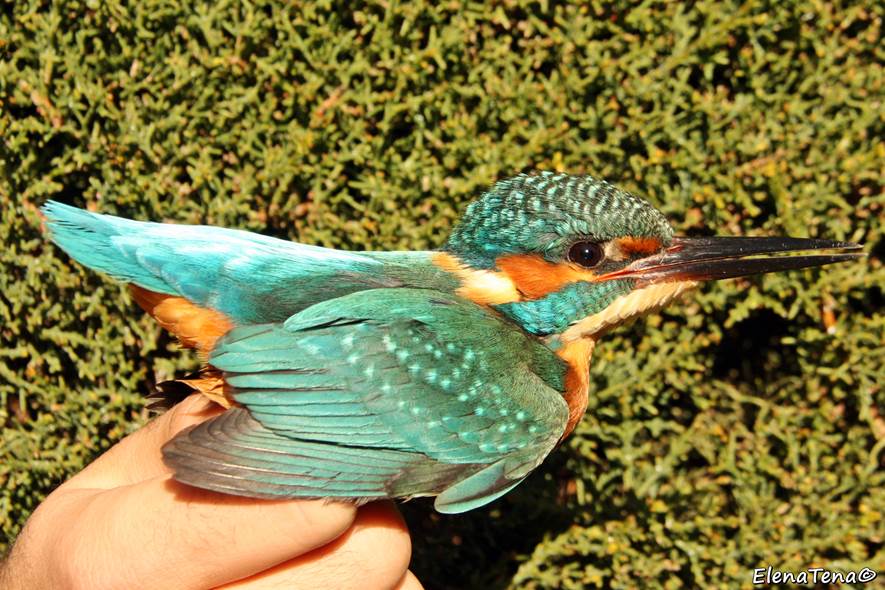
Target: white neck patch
627, 306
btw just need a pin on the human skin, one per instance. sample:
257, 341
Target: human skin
123, 522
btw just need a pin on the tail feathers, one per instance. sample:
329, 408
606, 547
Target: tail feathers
234, 454
91, 239
248, 277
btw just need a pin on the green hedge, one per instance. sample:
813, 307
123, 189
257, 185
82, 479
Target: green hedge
741, 428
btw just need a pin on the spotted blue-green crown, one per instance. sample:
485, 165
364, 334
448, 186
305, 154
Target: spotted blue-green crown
545, 213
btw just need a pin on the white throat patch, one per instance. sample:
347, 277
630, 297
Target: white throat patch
627, 306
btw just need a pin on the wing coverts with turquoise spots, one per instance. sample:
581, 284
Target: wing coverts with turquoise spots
381, 393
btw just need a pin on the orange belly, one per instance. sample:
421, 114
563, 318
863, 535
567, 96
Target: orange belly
194, 326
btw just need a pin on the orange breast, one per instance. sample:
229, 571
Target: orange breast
577, 355
195, 326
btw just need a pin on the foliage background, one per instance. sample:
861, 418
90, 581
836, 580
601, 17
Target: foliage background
741, 428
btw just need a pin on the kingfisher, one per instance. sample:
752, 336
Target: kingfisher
453, 373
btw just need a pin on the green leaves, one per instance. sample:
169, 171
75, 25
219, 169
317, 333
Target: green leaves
741, 427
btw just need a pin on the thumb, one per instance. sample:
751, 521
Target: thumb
137, 457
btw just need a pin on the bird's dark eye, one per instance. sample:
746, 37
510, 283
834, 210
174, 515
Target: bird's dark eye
586, 254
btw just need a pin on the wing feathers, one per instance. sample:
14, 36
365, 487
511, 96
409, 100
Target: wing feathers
276, 378
444, 392
233, 453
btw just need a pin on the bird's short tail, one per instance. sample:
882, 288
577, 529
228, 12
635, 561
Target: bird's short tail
99, 242
247, 277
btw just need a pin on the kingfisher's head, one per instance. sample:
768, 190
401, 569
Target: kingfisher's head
569, 257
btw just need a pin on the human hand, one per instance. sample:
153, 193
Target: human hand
123, 522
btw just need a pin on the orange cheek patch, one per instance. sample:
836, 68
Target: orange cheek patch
195, 326
535, 277
484, 287
632, 246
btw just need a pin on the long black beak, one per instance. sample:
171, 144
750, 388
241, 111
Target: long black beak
701, 259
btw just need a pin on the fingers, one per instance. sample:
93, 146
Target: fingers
137, 457
373, 554
162, 534
409, 582
29, 563
128, 524
171, 535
